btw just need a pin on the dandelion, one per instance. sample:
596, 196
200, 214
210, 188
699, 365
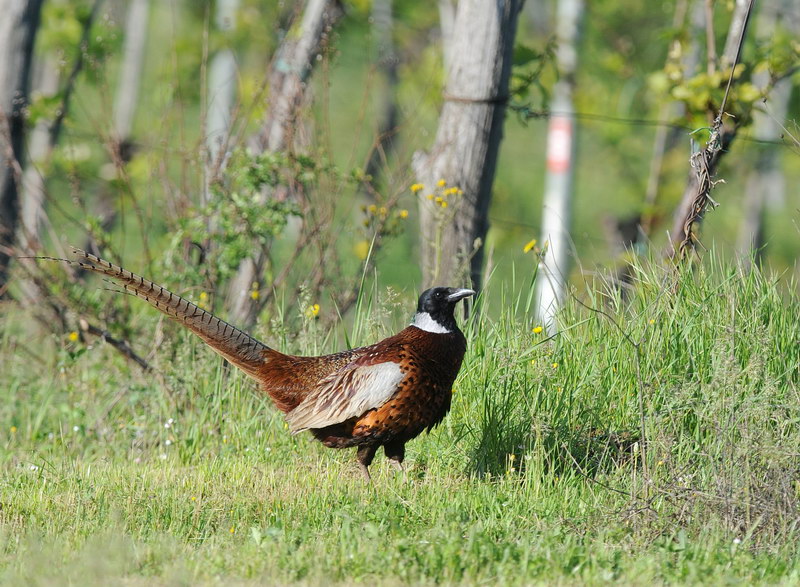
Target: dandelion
13, 430
34, 468
512, 457
660, 464
254, 295
652, 321
737, 540
232, 530
441, 183
312, 311
417, 187
537, 330
403, 214
76, 428
167, 442
73, 336
555, 365
194, 498
529, 246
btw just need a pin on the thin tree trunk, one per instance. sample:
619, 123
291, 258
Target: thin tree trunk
222, 81
727, 133
288, 77
766, 182
18, 27
666, 136
134, 47
464, 153
383, 30
557, 210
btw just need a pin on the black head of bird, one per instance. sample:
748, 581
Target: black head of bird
436, 306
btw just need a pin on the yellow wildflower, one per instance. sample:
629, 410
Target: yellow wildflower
73, 336
652, 321
232, 530
443, 204
429, 196
312, 311
361, 249
254, 294
555, 365
439, 200
537, 330
441, 183
372, 208
383, 211
403, 214
529, 246
13, 430
417, 187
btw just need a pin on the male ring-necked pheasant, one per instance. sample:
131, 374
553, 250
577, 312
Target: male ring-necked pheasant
384, 394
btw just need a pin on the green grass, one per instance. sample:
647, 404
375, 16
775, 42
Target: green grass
540, 475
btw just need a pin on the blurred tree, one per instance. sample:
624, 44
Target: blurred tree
765, 183
382, 32
18, 28
287, 81
222, 81
715, 76
478, 52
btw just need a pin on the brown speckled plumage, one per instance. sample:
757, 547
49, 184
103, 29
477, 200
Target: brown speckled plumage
384, 394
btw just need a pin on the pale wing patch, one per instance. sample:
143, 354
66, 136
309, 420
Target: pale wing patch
347, 394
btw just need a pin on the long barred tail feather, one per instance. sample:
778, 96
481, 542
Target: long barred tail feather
236, 346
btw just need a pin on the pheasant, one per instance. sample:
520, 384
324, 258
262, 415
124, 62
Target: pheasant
384, 394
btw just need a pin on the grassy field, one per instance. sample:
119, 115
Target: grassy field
655, 440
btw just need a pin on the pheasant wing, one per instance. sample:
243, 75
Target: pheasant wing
347, 393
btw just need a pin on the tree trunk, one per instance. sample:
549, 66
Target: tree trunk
464, 153
383, 30
766, 182
18, 27
222, 81
288, 76
557, 210
134, 47
727, 133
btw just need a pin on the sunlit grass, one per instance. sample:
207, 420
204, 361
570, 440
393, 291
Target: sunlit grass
654, 442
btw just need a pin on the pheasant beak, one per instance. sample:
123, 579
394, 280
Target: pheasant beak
460, 294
